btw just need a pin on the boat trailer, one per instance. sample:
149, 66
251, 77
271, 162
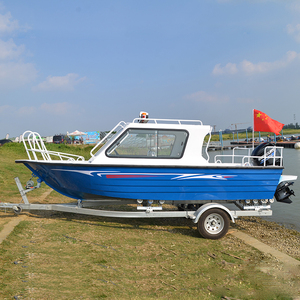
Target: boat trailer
212, 218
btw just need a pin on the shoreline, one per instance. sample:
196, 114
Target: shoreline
273, 234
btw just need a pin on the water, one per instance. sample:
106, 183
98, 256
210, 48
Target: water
289, 214
286, 214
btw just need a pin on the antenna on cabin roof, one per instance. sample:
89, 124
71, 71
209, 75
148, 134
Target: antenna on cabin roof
143, 116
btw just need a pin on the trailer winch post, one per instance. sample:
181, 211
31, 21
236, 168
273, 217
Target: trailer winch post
22, 191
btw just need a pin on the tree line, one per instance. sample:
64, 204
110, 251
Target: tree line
291, 126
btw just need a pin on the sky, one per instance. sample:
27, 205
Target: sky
88, 64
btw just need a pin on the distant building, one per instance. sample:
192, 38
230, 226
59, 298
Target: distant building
49, 139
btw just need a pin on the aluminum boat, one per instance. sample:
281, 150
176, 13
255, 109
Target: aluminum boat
161, 160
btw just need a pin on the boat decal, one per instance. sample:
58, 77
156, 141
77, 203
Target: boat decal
90, 173
118, 175
128, 176
176, 176
203, 176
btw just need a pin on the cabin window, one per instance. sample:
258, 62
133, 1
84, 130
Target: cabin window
149, 143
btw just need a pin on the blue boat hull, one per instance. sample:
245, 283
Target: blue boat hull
181, 184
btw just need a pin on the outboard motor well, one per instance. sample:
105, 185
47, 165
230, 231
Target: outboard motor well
283, 192
265, 157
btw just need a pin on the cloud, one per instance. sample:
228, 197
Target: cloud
246, 100
59, 83
249, 68
58, 109
294, 31
26, 110
294, 6
9, 50
7, 25
228, 69
62, 108
9, 110
202, 96
13, 74
5, 108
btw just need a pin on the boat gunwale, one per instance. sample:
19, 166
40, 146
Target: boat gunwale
87, 164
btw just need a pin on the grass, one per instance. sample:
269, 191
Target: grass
66, 256
71, 257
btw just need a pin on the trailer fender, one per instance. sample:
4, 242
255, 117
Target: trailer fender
208, 206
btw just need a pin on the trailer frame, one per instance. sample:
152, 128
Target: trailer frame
211, 218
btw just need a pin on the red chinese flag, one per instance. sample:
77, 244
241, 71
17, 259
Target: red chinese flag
263, 122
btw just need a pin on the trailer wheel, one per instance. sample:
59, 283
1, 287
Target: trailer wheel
213, 224
17, 209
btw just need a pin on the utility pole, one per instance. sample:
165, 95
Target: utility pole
235, 125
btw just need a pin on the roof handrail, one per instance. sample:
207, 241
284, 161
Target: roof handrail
121, 124
156, 121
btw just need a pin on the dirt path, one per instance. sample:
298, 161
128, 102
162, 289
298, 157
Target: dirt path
9, 227
15, 220
290, 266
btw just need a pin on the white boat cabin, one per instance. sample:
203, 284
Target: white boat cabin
155, 142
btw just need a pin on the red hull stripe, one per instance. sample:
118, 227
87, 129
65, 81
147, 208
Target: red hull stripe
128, 176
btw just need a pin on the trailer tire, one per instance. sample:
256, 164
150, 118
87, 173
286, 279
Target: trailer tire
213, 224
17, 210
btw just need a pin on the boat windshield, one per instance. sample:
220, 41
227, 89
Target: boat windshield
149, 143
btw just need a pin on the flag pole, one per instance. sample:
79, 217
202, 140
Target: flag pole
253, 129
